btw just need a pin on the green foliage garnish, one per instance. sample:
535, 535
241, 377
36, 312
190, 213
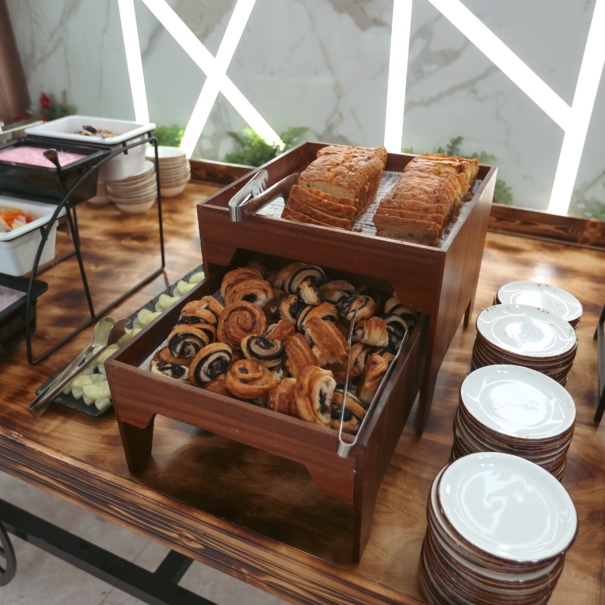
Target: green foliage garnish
169, 136
255, 151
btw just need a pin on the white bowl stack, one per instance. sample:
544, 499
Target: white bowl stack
137, 193
498, 529
515, 410
175, 170
102, 198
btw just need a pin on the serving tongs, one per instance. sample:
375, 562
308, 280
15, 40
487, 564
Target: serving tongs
106, 332
252, 197
345, 447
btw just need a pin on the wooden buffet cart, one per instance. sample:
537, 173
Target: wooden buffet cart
264, 520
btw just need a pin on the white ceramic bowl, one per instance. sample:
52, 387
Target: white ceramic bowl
99, 200
164, 152
138, 208
173, 191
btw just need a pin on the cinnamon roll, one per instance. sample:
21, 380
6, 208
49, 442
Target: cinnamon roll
292, 276
237, 275
188, 341
326, 337
164, 364
313, 394
325, 311
197, 312
310, 294
212, 361
373, 372
247, 379
372, 331
256, 291
273, 311
396, 327
218, 386
333, 291
358, 306
281, 397
239, 320
299, 354
282, 330
393, 305
355, 411
269, 353
290, 308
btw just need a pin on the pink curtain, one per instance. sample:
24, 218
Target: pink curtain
14, 95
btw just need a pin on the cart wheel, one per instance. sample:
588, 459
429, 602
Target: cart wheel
7, 573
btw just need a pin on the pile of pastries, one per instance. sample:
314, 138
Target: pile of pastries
279, 341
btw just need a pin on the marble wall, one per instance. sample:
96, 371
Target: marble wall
323, 64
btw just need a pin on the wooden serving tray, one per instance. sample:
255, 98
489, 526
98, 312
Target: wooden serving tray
440, 282
139, 395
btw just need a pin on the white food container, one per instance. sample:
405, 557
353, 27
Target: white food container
121, 166
18, 248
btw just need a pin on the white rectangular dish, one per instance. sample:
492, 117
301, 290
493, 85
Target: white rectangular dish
18, 248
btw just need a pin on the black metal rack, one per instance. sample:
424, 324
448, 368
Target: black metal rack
73, 226
599, 335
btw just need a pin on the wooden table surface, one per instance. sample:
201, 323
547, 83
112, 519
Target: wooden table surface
248, 513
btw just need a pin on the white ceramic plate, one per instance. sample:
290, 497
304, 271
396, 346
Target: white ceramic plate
508, 507
526, 331
543, 296
519, 402
163, 152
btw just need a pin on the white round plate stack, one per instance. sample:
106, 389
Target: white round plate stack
137, 193
553, 299
175, 170
515, 410
498, 529
102, 198
525, 336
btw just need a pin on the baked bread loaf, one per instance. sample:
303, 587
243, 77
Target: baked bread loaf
331, 204
347, 172
239, 320
299, 217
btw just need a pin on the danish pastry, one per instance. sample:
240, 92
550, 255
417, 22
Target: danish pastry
210, 363
310, 294
269, 353
247, 379
239, 320
218, 386
281, 397
397, 326
355, 411
333, 291
273, 309
256, 291
236, 275
292, 276
357, 305
340, 371
314, 390
373, 372
164, 364
290, 308
393, 305
282, 330
299, 354
188, 341
325, 336
325, 311
372, 331
195, 312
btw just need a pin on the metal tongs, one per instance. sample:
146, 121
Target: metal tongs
344, 447
252, 197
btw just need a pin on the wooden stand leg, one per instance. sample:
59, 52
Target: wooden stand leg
468, 312
137, 444
365, 504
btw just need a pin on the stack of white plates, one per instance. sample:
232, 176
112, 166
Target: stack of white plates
102, 198
525, 336
516, 411
498, 529
137, 193
553, 299
175, 170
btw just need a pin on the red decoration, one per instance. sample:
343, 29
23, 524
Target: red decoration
44, 101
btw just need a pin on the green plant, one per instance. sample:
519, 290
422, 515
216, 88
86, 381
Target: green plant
503, 193
169, 136
255, 151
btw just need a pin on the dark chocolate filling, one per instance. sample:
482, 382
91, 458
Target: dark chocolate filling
190, 320
243, 371
265, 349
323, 408
274, 308
185, 345
315, 275
251, 298
172, 370
336, 411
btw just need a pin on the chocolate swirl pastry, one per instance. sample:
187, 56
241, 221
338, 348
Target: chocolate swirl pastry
274, 308
290, 308
218, 386
377, 296
372, 375
292, 276
247, 379
197, 312
325, 311
239, 320
269, 353
393, 305
397, 327
299, 354
310, 294
360, 353
326, 337
363, 305
372, 331
314, 390
333, 291
237, 275
282, 330
256, 291
164, 364
281, 397
354, 411
188, 341
212, 361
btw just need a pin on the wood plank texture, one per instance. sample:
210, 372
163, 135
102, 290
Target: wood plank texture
261, 518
